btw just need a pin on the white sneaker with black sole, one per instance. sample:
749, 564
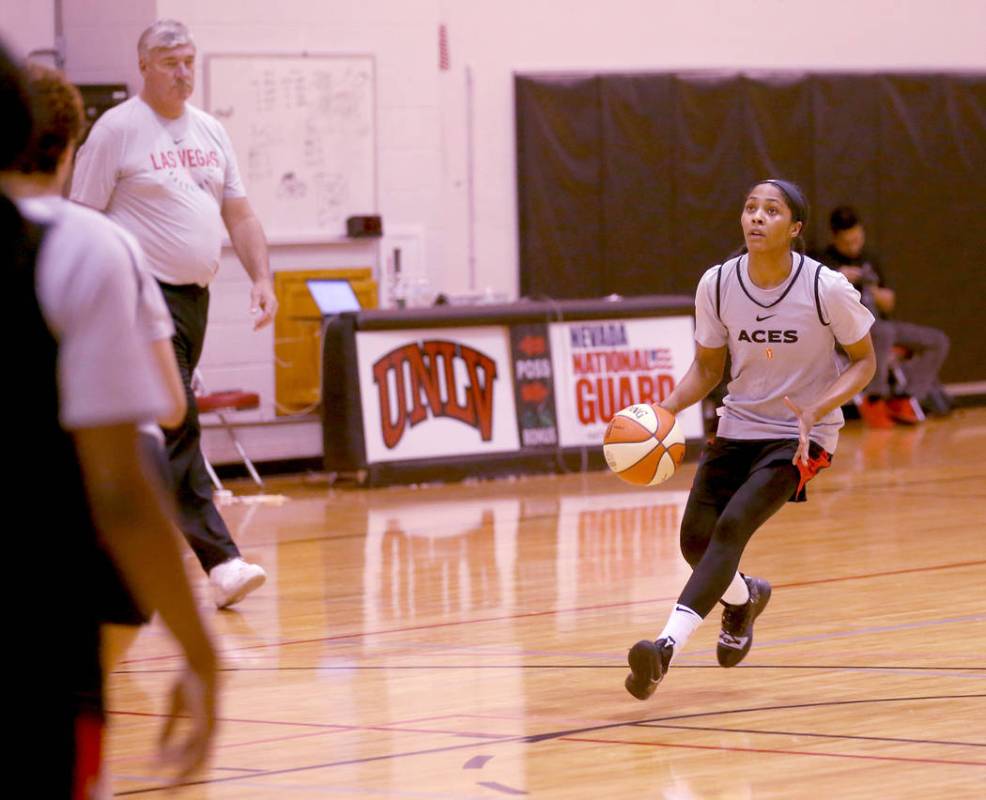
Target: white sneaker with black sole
233, 580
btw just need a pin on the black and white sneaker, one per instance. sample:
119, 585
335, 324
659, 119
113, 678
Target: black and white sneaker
736, 636
649, 663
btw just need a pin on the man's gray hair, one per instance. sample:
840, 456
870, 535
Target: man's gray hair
166, 33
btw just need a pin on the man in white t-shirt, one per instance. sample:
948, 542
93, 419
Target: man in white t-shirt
165, 171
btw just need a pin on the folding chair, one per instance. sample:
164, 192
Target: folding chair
221, 403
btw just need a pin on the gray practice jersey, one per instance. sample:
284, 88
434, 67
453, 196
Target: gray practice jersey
781, 342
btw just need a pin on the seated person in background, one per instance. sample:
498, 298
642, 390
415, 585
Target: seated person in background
881, 407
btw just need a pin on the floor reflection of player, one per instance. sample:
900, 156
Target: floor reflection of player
621, 543
415, 575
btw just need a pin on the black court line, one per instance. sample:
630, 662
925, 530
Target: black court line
522, 615
499, 787
753, 710
430, 667
658, 725
544, 737
236, 769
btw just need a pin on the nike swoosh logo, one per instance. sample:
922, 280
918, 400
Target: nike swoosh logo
761, 319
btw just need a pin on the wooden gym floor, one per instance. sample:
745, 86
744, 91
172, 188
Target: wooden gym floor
469, 641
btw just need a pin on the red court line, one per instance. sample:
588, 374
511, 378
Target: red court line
777, 752
324, 727
886, 574
551, 612
144, 757
560, 735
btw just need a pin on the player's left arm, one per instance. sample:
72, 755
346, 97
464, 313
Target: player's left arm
852, 381
247, 235
847, 385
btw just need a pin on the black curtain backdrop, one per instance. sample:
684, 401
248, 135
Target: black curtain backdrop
633, 183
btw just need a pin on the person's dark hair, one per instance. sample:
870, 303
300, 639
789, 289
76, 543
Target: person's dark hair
20, 238
795, 200
17, 121
59, 119
843, 218
793, 196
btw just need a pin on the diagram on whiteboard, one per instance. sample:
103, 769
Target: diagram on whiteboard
303, 128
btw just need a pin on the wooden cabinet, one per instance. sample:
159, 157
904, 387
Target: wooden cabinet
298, 335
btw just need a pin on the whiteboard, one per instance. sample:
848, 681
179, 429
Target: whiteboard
303, 128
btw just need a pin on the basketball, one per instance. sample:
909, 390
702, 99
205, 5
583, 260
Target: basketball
644, 444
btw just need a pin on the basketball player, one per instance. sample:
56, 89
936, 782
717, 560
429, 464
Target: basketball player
779, 316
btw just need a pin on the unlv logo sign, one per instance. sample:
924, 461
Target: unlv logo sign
425, 377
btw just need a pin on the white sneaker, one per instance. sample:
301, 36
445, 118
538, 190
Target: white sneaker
233, 580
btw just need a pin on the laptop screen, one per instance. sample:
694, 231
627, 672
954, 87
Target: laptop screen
333, 296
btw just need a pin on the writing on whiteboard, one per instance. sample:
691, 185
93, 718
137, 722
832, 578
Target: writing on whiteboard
303, 128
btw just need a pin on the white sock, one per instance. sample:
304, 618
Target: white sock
682, 623
737, 593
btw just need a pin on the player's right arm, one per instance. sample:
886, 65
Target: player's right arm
141, 540
702, 377
711, 345
107, 385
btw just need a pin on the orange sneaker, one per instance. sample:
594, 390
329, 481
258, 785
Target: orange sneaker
902, 410
875, 413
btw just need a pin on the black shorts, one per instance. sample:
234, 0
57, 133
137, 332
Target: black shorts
726, 464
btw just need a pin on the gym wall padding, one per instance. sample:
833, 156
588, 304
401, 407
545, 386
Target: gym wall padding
633, 183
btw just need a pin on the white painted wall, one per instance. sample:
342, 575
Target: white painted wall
27, 25
101, 39
422, 112
498, 39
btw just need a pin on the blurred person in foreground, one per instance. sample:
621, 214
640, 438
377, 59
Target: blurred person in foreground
76, 346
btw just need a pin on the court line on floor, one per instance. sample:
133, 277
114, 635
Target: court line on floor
768, 750
895, 739
568, 734
554, 612
329, 728
951, 672
307, 789
402, 726
323, 727
853, 632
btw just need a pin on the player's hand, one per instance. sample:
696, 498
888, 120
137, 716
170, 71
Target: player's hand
806, 420
263, 303
668, 405
193, 700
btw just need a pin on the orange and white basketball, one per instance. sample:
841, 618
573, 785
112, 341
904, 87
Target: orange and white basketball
644, 444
